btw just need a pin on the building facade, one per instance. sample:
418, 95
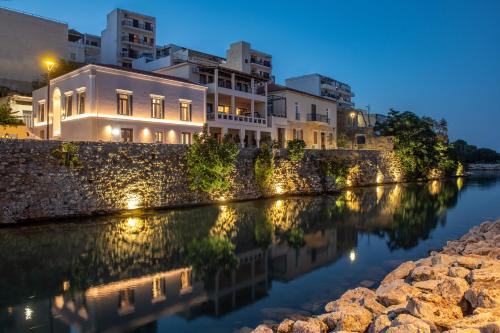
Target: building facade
294, 114
27, 39
21, 107
84, 48
127, 36
241, 57
324, 86
109, 103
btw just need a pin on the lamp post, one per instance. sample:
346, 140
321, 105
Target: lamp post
50, 65
353, 114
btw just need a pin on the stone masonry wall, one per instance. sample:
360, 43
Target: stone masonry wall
117, 176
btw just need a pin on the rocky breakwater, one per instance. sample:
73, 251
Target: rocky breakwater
456, 290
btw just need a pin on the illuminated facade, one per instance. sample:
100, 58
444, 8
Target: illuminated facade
108, 103
295, 114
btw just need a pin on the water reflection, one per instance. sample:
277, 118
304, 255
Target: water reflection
126, 272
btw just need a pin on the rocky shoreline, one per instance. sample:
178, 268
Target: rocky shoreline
456, 290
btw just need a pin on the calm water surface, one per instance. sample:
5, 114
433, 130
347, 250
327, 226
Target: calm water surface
138, 273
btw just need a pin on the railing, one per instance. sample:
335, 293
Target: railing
141, 26
234, 117
318, 117
137, 41
261, 62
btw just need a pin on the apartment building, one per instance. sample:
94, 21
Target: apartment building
26, 39
324, 86
83, 47
241, 57
127, 36
294, 114
111, 103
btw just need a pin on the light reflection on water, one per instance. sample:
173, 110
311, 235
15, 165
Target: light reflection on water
295, 254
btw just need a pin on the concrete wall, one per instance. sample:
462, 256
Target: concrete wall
116, 176
26, 40
308, 83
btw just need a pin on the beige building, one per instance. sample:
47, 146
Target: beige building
110, 103
127, 36
21, 107
299, 115
243, 58
26, 40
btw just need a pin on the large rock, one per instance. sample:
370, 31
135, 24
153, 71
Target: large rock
312, 325
348, 318
435, 309
379, 324
286, 326
262, 329
401, 272
395, 292
452, 289
422, 325
487, 321
405, 328
482, 296
424, 273
358, 296
460, 272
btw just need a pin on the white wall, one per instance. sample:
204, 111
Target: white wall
307, 83
109, 40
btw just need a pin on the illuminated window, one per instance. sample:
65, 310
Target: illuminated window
241, 111
127, 135
68, 105
186, 282
297, 112
223, 108
159, 137
158, 289
80, 107
41, 112
157, 108
124, 104
315, 137
126, 301
185, 111
186, 138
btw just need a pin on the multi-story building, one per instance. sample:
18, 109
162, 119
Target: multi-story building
127, 36
111, 103
21, 107
83, 47
26, 40
324, 86
243, 58
294, 114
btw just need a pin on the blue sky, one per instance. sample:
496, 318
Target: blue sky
436, 58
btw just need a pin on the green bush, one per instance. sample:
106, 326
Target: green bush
67, 154
264, 167
210, 163
336, 168
210, 254
296, 150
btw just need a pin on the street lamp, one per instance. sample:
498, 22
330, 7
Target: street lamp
49, 64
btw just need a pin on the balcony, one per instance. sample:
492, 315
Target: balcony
141, 42
138, 25
318, 117
213, 116
261, 62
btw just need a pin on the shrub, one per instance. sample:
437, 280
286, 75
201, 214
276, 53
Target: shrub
264, 167
336, 168
210, 254
296, 150
67, 154
210, 163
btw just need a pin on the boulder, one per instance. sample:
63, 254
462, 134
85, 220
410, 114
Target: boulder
482, 296
286, 326
487, 321
379, 324
348, 318
405, 328
312, 325
401, 272
428, 285
452, 289
458, 271
395, 292
422, 325
435, 309
423, 273
442, 259
262, 329
358, 296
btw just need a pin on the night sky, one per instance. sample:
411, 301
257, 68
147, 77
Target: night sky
435, 58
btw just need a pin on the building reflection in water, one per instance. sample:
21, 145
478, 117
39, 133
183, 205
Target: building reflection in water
122, 273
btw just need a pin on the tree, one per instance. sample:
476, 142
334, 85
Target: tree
7, 117
471, 154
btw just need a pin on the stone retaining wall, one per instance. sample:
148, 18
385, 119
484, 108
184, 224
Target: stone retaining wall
119, 176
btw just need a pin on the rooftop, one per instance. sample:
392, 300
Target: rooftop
278, 88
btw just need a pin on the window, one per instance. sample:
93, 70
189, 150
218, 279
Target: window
126, 301
330, 139
158, 289
242, 111
159, 137
185, 111
297, 112
124, 104
203, 79
157, 107
313, 108
185, 138
127, 135
360, 139
41, 112
68, 105
315, 137
80, 102
210, 108
148, 26
223, 108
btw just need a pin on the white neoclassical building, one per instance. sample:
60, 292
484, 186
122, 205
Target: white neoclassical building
109, 103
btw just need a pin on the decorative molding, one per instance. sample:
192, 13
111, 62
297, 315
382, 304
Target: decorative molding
81, 89
182, 100
156, 96
125, 92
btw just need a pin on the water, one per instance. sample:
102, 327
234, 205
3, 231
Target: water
159, 272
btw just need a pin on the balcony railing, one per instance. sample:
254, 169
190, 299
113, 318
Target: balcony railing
318, 117
261, 62
138, 25
137, 41
234, 117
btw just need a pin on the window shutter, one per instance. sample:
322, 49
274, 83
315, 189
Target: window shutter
180, 110
190, 111
117, 103
151, 107
163, 108
131, 106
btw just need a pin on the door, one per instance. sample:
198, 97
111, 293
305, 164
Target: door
323, 140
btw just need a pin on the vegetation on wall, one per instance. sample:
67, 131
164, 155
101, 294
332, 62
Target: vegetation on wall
336, 168
296, 150
210, 163
264, 167
420, 143
67, 154
467, 153
7, 117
